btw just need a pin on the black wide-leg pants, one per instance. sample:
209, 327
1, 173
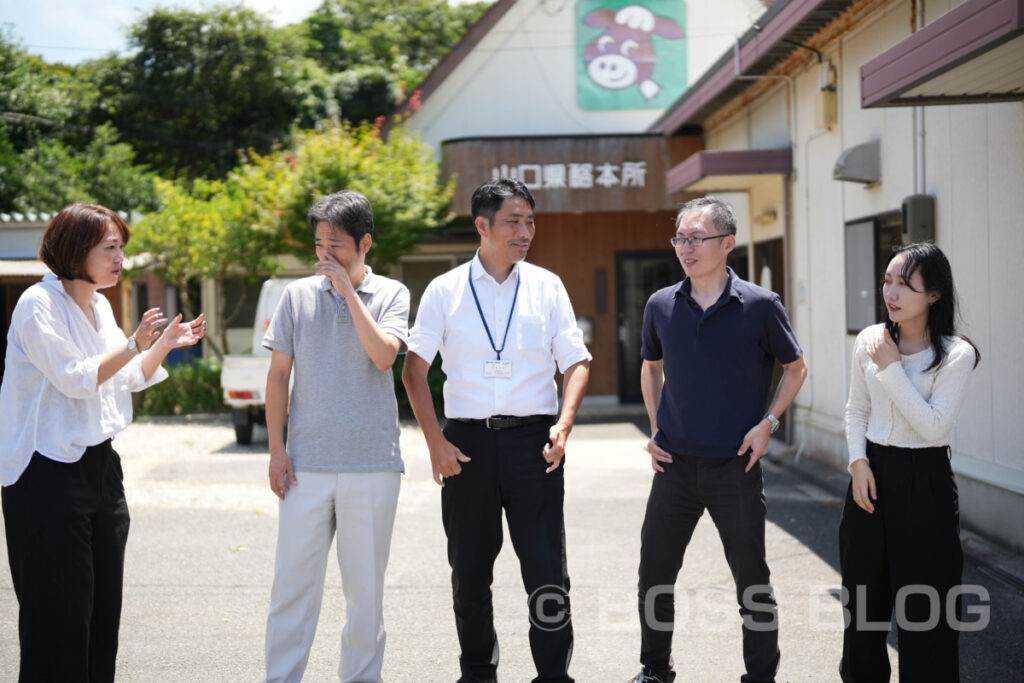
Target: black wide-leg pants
67, 526
507, 472
910, 542
736, 502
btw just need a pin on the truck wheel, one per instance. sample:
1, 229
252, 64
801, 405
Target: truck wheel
243, 426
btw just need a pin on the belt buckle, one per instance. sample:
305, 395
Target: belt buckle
487, 422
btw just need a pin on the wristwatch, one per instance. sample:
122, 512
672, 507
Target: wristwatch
774, 421
133, 346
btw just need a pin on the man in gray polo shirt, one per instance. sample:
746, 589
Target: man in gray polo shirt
340, 331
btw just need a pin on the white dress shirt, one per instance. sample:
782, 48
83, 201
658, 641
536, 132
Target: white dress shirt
543, 332
905, 405
49, 400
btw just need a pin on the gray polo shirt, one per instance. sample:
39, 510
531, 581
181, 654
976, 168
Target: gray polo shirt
343, 416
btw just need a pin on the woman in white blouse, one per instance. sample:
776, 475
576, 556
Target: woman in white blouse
899, 539
66, 392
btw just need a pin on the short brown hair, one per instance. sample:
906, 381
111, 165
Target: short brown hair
72, 233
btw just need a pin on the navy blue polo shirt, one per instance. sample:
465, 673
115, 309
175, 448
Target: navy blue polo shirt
718, 363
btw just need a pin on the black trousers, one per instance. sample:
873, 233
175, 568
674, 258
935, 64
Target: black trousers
735, 499
507, 472
67, 525
911, 540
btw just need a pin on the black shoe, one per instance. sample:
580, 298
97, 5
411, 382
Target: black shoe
647, 676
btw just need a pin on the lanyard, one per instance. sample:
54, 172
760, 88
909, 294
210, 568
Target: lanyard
480, 310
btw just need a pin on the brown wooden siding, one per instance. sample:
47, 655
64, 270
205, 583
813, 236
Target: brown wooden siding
574, 246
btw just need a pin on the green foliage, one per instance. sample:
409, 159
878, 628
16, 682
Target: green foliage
405, 38
398, 175
32, 89
214, 229
189, 388
203, 86
53, 174
40, 105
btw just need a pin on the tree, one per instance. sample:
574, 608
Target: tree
398, 175
212, 230
53, 174
240, 226
205, 85
402, 39
39, 104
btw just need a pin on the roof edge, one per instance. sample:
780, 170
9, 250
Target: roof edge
956, 37
768, 31
451, 60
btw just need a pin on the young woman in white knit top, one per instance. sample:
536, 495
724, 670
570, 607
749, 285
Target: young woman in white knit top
899, 539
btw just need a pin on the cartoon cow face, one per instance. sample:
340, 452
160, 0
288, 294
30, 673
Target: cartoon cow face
624, 55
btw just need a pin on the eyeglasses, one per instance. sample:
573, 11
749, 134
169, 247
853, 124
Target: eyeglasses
695, 241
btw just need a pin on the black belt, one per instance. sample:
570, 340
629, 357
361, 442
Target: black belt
503, 421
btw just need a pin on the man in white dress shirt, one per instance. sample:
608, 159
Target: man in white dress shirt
501, 326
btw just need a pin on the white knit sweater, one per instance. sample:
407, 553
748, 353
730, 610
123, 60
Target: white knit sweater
904, 405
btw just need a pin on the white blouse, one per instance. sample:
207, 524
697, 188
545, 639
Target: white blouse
49, 399
904, 405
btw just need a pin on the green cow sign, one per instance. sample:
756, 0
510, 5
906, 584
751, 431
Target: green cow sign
630, 55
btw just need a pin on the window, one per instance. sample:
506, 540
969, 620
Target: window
240, 297
869, 246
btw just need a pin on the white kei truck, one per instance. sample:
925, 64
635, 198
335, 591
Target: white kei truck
243, 378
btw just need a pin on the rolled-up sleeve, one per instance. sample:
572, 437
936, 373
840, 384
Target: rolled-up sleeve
427, 335
567, 346
132, 378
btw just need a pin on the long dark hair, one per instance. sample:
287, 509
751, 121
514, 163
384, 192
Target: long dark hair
937, 276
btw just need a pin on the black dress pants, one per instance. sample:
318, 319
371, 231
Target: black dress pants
910, 542
507, 472
735, 499
67, 525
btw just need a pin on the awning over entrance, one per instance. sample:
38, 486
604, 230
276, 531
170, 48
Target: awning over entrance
728, 171
973, 53
22, 268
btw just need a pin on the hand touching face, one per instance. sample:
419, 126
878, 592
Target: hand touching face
340, 259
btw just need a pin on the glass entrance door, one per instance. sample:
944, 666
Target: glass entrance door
638, 274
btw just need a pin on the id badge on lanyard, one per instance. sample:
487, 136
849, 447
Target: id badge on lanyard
501, 369
498, 368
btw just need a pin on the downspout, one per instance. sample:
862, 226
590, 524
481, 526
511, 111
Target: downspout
917, 8
787, 217
789, 79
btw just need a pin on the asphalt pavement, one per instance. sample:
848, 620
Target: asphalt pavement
204, 527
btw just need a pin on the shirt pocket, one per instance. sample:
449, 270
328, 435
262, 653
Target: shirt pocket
530, 333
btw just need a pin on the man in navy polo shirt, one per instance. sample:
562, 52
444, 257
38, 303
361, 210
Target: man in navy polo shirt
709, 347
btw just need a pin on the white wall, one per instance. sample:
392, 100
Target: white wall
521, 77
973, 165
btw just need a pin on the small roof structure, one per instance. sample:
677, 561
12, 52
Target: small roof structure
728, 171
973, 53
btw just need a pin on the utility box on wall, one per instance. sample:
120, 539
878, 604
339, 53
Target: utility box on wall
918, 220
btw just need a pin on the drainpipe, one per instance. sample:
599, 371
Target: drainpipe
787, 217
919, 136
789, 79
